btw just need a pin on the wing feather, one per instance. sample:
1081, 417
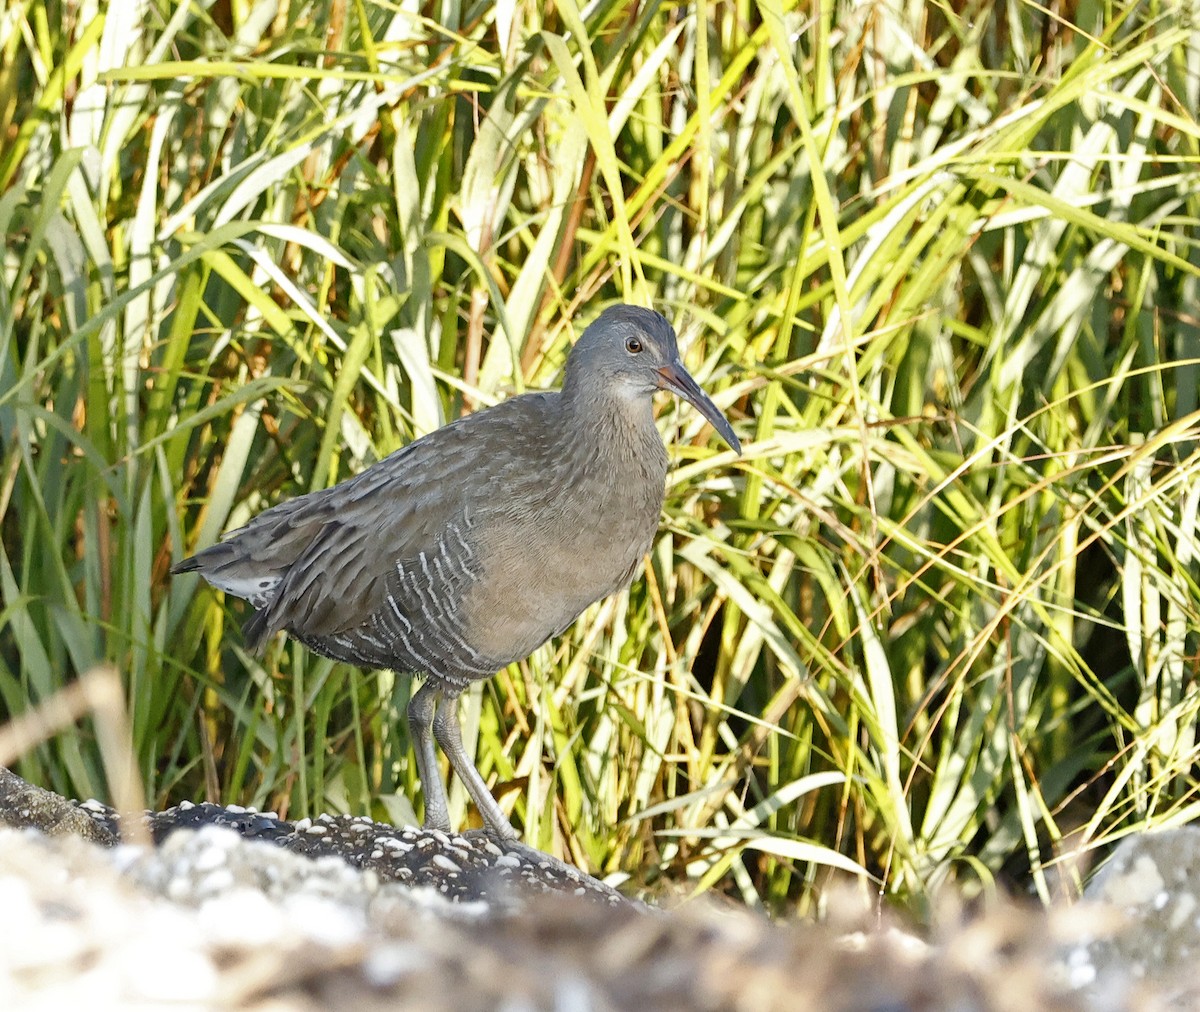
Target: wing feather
318, 565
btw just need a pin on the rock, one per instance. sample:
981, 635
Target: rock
462, 867
1147, 896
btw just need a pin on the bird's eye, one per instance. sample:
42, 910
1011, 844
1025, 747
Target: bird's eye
633, 345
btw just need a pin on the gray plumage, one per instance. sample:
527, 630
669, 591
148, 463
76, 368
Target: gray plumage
467, 549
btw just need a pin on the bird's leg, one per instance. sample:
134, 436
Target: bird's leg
420, 722
449, 736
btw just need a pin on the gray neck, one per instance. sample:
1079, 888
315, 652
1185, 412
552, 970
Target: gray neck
614, 430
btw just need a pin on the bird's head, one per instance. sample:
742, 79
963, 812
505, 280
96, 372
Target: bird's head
632, 352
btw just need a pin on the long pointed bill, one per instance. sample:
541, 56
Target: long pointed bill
678, 380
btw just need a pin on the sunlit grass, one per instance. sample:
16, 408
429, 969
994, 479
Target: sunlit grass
940, 616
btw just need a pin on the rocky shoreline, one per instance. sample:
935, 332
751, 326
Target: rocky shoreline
231, 908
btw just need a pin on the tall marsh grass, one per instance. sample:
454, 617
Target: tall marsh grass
941, 621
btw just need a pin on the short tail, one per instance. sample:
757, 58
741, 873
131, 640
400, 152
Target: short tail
218, 565
188, 565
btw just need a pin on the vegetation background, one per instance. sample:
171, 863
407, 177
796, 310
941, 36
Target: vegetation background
940, 262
